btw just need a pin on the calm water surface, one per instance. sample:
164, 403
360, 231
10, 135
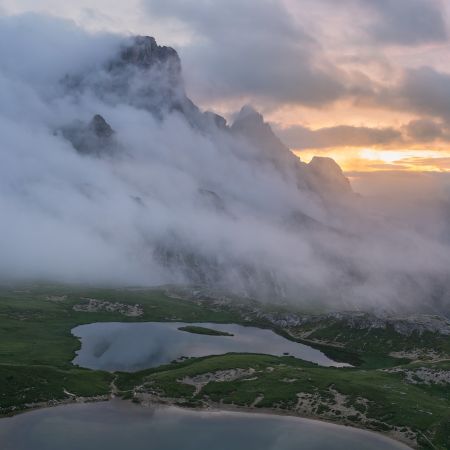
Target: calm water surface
119, 425
136, 346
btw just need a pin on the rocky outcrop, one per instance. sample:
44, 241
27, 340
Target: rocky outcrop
265, 147
406, 326
250, 124
144, 52
328, 176
93, 138
322, 175
252, 310
95, 305
100, 127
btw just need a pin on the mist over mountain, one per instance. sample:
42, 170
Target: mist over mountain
110, 174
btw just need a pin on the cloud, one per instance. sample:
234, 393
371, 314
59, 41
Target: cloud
406, 22
443, 163
415, 197
274, 54
298, 136
251, 48
180, 197
425, 90
43, 59
425, 130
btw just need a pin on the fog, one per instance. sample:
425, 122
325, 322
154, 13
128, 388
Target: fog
109, 174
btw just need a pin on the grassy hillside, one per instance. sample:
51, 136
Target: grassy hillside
37, 347
374, 399
410, 400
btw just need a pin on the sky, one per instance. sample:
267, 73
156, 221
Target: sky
366, 82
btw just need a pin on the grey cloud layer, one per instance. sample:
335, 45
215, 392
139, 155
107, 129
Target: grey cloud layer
416, 131
252, 48
406, 22
427, 130
259, 49
273, 52
339, 136
424, 90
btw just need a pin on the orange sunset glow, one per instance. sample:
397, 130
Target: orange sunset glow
372, 159
366, 83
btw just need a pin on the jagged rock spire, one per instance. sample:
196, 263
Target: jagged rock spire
100, 127
144, 52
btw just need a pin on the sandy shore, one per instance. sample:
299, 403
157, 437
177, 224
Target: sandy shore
218, 407
210, 406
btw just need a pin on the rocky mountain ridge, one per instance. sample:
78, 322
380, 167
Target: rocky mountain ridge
130, 78
406, 325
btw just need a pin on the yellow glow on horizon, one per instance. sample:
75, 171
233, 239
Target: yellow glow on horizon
392, 156
373, 159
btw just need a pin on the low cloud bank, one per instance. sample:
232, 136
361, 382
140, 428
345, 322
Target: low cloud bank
110, 174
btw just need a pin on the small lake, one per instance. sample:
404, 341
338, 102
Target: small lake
131, 347
120, 425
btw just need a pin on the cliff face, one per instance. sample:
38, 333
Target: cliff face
142, 74
328, 176
144, 52
93, 138
321, 175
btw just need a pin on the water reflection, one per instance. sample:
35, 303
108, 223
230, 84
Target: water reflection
119, 425
136, 346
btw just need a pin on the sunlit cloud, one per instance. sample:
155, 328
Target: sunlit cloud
372, 93
373, 159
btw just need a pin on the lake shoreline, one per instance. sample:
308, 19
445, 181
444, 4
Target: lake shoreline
220, 407
210, 407
120, 352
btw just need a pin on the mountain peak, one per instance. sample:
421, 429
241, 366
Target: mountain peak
247, 112
93, 138
144, 52
330, 174
100, 127
325, 164
250, 123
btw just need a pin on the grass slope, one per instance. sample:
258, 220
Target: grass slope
36, 350
373, 399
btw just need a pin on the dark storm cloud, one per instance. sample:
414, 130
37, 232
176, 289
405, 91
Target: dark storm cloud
298, 136
425, 90
406, 22
425, 130
251, 48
